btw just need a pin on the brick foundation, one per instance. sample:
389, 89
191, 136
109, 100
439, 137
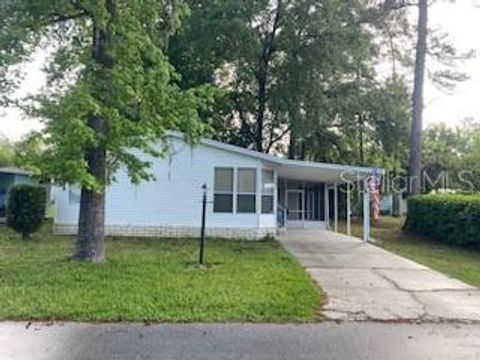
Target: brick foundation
171, 231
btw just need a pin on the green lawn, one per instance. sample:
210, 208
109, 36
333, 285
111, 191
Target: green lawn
154, 280
456, 262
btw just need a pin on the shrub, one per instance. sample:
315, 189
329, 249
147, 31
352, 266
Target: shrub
451, 218
26, 208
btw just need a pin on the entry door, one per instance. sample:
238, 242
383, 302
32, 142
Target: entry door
295, 204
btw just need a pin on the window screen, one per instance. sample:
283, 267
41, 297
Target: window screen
223, 190
246, 190
268, 190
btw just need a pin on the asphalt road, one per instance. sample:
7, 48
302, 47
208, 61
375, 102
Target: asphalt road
329, 340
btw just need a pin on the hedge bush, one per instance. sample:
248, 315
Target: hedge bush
26, 208
451, 218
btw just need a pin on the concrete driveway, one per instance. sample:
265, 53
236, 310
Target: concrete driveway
364, 282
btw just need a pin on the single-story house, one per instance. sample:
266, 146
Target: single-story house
10, 177
250, 194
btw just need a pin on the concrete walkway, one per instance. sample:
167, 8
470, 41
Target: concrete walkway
364, 282
328, 340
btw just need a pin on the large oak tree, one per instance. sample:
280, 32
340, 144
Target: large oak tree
110, 90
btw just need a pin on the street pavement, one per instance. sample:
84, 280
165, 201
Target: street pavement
328, 340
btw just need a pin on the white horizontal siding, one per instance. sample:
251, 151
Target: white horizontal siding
174, 198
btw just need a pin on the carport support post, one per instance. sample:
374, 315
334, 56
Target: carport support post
335, 202
366, 215
349, 212
327, 208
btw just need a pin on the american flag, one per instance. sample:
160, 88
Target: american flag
374, 188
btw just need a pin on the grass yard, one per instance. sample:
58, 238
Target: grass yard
456, 262
153, 280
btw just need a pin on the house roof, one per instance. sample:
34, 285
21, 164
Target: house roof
15, 171
297, 169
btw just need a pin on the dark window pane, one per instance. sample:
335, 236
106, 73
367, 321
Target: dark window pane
246, 203
223, 203
267, 204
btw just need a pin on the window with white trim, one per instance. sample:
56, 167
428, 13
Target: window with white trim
223, 190
246, 190
268, 190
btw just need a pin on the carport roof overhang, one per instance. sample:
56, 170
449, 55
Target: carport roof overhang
297, 169
322, 172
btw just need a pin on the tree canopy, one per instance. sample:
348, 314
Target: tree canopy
110, 89
297, 77
7, 153
130, 85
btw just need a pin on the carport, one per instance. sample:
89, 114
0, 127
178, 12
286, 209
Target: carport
308, 194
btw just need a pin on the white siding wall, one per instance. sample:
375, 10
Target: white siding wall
174, 198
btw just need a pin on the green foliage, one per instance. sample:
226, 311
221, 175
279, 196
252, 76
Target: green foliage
7, 153
124, 78
469, 166
276, 62
28, 153
316, 62
154, 279
372, 126
26, 208
454, 151
452, 218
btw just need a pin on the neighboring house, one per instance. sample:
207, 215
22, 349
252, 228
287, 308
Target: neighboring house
387, 204
251, 194
8, 178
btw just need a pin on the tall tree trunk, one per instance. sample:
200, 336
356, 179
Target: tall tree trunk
262, 101
262, 77
303, 150
361, 126
415, 162
90, 244
291, 146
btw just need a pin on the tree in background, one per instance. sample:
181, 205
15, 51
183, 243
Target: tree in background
442, 151
299, 77
415, 162
469, 168
436, 46
7, 152
451, 157
279, 64
111, 89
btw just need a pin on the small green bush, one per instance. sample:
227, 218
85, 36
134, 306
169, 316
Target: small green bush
26, 208
451, 218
